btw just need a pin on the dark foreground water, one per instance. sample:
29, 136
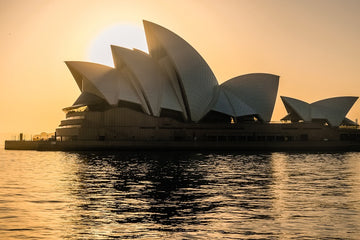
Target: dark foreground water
179, 195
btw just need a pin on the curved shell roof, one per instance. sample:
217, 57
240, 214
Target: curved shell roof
193, 73
257, 90
300, 108
146, 74
105, 82
333, 110
231, 105
150, 78
174, 76
239, 106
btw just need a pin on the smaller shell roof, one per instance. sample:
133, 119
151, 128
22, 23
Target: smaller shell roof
300, 108
257, 90
105, 82
333, 110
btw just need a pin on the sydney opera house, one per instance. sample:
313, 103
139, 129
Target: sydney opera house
170, 95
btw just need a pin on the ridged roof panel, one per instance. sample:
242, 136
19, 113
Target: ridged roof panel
223, 105
333, 110
240, 107
257, 90
147, 73
103, 81
301, 108
196, 79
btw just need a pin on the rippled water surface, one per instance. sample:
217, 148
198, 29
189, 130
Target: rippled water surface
179, 195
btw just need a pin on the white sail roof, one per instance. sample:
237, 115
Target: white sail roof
240, 107
174, 76
196, 80
223, 105
256, 90
300, 108
149, 77
105, 82
231, 105
333, 110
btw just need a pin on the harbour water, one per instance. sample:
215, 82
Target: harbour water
179, 195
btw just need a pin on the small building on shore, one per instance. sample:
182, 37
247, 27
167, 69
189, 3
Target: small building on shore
43, 136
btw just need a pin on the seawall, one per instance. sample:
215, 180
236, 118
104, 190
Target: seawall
182, 145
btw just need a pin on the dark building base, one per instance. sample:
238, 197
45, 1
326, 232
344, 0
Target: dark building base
185, 145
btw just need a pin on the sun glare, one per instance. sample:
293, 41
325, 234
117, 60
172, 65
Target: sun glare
123, 35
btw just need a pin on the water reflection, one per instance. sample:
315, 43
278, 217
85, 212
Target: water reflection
141, 192
314, 196
180, 195
174, 193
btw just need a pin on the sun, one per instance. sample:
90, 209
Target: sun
123, 35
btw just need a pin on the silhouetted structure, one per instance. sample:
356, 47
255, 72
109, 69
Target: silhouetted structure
170, 98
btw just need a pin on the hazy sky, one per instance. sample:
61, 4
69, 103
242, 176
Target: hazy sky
312, 44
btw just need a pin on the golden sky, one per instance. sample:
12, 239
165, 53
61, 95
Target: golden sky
312, 45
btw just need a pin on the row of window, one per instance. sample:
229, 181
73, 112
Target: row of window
350, 137
255, 138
